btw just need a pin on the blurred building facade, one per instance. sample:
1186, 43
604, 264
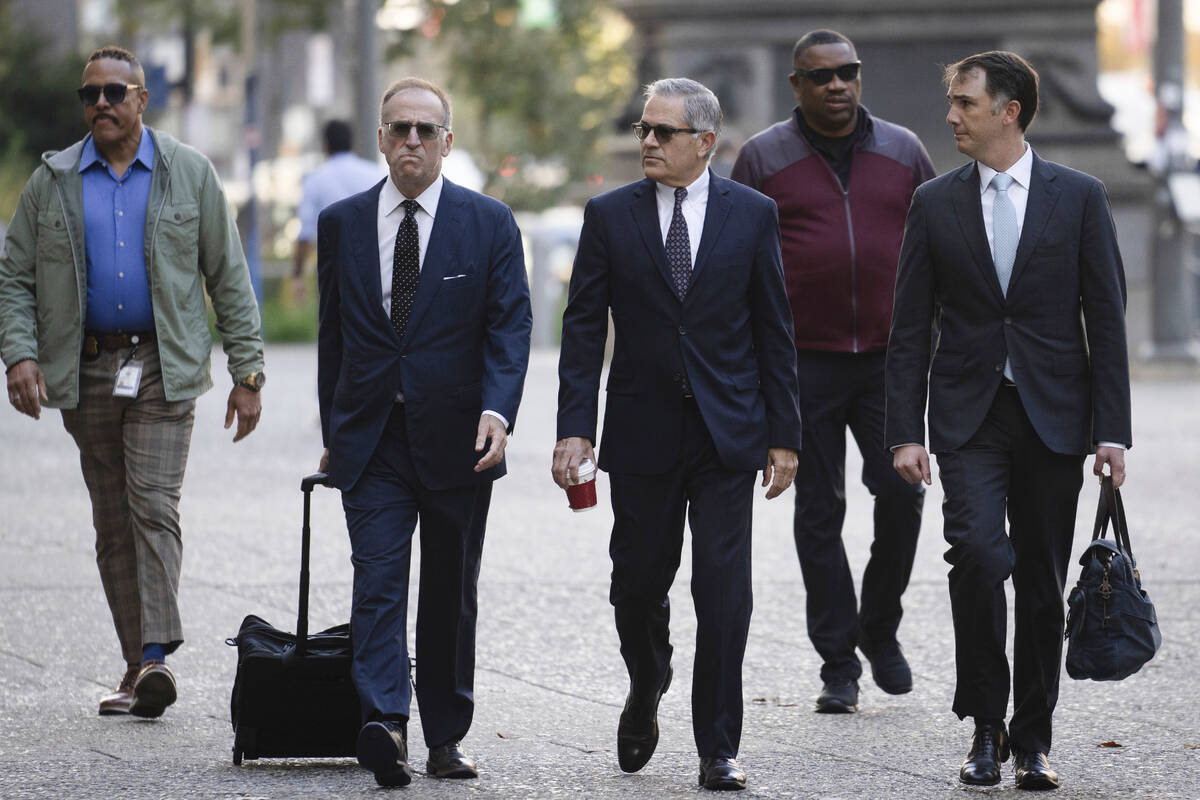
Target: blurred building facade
743, 51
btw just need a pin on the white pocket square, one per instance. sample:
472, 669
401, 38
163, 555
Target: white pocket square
454, 277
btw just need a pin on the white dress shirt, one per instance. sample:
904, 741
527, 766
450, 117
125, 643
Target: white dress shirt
1018, 192
388, 218
694, 206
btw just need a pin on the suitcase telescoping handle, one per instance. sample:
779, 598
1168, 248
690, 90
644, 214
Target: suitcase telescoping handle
306, 486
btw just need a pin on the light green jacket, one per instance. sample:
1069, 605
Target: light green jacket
191, 244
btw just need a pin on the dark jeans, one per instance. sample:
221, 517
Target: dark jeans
840, 391
1006, 467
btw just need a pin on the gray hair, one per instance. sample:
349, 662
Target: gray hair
701, 110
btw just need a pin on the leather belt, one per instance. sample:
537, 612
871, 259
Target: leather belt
94, 341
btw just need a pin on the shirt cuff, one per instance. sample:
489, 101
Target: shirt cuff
498, 416
896, 447
1112, 444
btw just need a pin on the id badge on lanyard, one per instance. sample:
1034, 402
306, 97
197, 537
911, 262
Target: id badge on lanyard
129, 376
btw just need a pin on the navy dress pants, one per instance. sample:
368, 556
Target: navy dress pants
646, 547
1006, 469
840, 391
382, 511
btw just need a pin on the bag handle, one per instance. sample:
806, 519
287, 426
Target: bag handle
1110, 507
306, 486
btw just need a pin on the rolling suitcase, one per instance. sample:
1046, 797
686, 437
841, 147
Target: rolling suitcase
293, 695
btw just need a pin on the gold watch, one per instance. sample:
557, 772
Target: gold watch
254, 381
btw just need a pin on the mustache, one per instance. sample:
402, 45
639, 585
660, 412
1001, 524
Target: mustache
99, 117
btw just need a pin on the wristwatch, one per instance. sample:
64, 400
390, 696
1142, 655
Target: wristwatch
254, 381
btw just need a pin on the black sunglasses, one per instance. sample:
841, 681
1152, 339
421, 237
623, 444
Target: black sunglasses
426, 131
824, 75
662, 133
114, 93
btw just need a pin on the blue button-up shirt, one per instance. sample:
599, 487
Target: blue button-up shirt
114, 226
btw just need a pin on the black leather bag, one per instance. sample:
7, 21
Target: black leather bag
1112, 629
293, 695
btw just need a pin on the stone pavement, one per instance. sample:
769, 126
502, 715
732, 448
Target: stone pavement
550, 681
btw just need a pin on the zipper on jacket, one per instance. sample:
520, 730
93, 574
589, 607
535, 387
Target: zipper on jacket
62, 201
853, 272
154, 234
853, 252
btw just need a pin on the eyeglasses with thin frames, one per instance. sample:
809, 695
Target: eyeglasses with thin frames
822, 76
114, 93
426, 131
662, 133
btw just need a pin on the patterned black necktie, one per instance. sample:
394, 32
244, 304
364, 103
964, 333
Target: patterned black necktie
679, 247
406, 259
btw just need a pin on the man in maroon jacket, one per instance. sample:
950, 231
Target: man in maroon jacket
843, 181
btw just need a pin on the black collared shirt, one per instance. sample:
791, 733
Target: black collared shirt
838, 151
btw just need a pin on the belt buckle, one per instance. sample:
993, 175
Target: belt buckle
91, 347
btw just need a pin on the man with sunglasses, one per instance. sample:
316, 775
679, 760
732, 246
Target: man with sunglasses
422, 352
113, 245
843, 180
701, 395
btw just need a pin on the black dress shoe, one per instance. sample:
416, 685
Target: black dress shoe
989, 749
637, 731
721, 774
1033, 771
383, 749
838, 697
889, 667
449, 761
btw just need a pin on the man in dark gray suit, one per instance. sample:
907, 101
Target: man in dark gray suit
1015, 261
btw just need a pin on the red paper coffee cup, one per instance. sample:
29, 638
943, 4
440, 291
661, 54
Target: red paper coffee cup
581, 494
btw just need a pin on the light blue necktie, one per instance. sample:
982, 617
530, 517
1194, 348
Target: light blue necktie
1004, 238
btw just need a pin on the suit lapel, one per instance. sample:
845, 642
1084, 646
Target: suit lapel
714, 220
969, 210
439, 253
645, 216
365, 242
1043, 195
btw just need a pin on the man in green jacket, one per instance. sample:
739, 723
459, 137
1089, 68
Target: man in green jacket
102, 315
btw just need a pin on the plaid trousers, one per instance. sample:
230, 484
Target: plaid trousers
133, 452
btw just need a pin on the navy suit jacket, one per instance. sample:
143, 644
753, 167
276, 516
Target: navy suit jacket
1061, 325
466, 347
730, 336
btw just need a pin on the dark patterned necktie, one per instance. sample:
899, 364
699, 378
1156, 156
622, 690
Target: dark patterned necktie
679, 248
406, 259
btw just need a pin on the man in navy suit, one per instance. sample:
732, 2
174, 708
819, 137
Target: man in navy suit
701, 395
1015, 261
423, 347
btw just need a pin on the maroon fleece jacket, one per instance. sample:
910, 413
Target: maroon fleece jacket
840, 247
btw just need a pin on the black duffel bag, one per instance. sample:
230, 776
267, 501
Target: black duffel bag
1112, 629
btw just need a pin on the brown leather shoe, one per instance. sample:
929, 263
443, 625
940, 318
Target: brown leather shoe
153, 690
118, 701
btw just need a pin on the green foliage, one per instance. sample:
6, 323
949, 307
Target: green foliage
41, 112
536, 85
285, 321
